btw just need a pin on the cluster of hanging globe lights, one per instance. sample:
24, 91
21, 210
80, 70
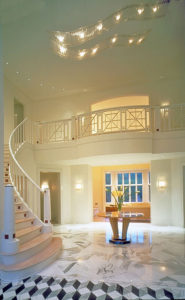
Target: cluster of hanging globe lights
66, 43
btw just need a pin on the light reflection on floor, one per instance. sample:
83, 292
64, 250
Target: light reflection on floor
155, 256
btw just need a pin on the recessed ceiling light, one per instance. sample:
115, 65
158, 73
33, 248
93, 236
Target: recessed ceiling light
17, 72
140, 40
94, 50
41, 84
28, 79
118, 17
113, 40
7, 63
100, 27
130, 41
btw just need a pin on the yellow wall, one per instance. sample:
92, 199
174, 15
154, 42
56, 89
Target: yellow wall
99, 181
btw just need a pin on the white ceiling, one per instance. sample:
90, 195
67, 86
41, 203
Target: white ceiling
27, 26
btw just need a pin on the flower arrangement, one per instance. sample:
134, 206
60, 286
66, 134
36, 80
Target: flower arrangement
119, 196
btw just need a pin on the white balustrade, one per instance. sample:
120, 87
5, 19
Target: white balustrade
55, 131
112, 120
25, 188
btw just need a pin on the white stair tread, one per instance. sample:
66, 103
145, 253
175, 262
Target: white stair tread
51, 250
22, 232
24, 220
34, 242
18, 203
21, 211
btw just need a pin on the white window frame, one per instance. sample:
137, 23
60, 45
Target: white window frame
108, 185
129, 185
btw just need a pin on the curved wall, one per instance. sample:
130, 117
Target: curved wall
110, 144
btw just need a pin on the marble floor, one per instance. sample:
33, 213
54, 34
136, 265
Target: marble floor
155, 257
152, 266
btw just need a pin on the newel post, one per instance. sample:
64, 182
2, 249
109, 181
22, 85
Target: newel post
47, 206
157, 119
9, 242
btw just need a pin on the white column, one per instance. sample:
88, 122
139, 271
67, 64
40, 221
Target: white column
81, 194
9, 242
1, 138
47, 207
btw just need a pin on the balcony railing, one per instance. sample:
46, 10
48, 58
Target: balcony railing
113, 120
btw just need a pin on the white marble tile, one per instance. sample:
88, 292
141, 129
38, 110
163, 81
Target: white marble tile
155, 255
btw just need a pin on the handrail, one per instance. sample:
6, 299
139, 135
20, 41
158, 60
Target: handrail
27, 190
15, 160
113, 108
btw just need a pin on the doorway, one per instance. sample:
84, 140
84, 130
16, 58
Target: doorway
52, 179
18, 112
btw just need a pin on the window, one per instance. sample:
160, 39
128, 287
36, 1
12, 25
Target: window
108, 187
132, 184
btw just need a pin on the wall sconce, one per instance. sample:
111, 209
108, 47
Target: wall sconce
161, 184
44, 186
78, 186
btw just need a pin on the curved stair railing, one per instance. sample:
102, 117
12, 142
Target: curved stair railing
25, 188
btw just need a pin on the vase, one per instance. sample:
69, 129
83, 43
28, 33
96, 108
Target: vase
119, 207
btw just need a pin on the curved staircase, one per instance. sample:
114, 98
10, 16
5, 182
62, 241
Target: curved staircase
36, 245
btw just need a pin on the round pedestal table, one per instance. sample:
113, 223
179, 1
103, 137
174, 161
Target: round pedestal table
125, 219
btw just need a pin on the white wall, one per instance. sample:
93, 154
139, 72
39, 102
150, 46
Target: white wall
62, 108
76, 206
169, 90
11, 92
167, 207
110, 144
66, 207
27, 160
161, 210
178, 210
81, 200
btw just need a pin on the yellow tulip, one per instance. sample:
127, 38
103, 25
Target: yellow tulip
114, 193
120, 193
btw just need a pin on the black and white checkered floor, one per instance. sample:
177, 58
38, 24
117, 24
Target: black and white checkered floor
38, 287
